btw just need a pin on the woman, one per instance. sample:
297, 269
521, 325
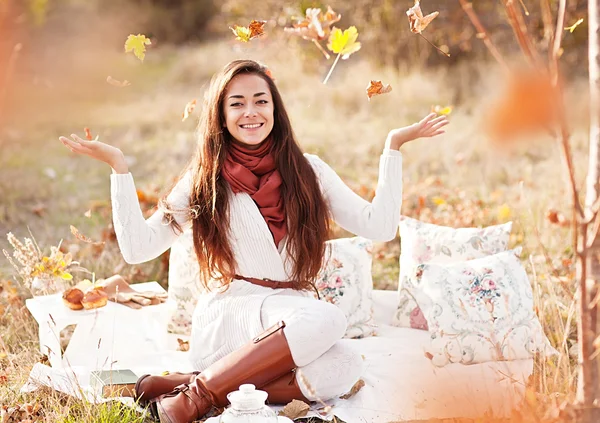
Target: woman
259, 210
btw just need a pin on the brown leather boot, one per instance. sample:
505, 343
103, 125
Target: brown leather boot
284, 390
149, 387
261, 361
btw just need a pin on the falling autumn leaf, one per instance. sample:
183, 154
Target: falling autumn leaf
527, 104
88, 213
441, 110
82, 237
88, 134
295, 410
183, 345
377, 88
418, 23
344, 43
575, 25
189, 108
116, 83
316, 25
247, 33
357, 387
270, 74
557, 218
137, 44
416, 20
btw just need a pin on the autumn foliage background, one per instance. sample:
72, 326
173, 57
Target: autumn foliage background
56, 55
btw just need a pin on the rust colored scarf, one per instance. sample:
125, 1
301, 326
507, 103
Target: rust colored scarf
254, 172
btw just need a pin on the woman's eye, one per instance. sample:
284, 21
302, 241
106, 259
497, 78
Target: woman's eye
236, 104
262, 101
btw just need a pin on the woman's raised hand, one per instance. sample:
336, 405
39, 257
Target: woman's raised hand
430, 126
97, 150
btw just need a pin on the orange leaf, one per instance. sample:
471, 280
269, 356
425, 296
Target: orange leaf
189, 108
416, 20
557, 218
88, 134
183, 345
377, 88
527, 105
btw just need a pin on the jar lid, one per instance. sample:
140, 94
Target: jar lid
247, 398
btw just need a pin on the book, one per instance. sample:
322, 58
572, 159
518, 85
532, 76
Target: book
114, 383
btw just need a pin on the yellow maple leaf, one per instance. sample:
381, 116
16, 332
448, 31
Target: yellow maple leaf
441, 110
137, 44
344, 43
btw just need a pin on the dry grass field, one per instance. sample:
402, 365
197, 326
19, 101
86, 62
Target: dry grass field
460, 179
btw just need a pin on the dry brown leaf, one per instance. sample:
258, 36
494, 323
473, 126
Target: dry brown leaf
377, 88
82, 237
416, 20
116, 83
316, 25
357, 387
183, 345
189, 108
295, 410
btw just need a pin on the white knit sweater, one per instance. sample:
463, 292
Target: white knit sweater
223, 321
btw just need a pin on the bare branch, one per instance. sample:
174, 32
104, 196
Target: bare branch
482, 33
517, 21
554, 53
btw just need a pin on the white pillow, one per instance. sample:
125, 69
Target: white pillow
346, 281
479, 310
422, 242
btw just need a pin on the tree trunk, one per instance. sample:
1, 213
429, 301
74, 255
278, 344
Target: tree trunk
589, 252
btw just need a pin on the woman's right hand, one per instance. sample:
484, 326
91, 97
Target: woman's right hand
97, 150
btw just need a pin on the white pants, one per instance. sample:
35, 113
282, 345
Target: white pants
314, 331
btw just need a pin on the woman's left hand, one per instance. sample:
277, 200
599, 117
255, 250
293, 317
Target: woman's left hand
430, 126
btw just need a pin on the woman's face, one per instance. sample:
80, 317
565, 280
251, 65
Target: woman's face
248, 109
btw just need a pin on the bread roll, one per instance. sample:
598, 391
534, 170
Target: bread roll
94, 298
72, 298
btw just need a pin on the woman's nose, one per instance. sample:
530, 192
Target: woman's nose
250, 111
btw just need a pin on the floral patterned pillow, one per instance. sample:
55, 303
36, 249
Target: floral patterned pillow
479, 310
345, 280
184, 283
422, 242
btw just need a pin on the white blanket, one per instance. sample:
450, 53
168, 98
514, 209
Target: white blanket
400, 382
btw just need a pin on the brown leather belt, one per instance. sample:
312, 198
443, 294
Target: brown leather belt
269, 283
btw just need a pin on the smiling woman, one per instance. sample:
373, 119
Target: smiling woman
248, 110
259, 210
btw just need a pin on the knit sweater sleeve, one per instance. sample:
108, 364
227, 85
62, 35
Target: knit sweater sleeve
376, 220
139, 239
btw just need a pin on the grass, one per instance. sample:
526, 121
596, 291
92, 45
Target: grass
464, 181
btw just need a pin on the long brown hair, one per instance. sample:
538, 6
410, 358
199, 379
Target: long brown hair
306, 211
